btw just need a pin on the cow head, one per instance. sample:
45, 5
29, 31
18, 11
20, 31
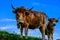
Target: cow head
20, 13
53, 21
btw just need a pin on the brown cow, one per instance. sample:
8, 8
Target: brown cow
27, 18
50, 28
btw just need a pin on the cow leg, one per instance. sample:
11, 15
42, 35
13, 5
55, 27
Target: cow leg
43, 27
49, 38
52, 36
43, 32
21, 30
26, 31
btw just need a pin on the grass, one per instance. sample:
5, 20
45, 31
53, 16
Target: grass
13, 36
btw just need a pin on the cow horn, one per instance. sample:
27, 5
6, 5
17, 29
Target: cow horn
31, 8
12, 6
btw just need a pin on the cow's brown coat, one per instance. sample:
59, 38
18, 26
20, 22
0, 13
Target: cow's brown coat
50, 28
32, 19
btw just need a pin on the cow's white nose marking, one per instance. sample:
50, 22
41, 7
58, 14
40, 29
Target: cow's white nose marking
54, 22
20, 21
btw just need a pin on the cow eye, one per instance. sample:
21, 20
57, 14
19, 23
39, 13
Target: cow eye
27, 13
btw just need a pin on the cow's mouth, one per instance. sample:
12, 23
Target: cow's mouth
20, 21
54, 24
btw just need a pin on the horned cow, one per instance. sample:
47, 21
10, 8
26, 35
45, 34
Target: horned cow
27, 18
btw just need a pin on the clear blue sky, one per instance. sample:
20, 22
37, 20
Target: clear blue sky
7, 18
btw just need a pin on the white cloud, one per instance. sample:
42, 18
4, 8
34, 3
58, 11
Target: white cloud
56, 36
7, 27
35, 4
38, 4
7, 20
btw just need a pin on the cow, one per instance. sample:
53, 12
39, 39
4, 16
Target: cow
30, 19
50, 28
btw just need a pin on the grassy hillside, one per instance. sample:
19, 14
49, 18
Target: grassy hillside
12, 36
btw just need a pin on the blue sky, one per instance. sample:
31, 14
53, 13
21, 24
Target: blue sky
7, 18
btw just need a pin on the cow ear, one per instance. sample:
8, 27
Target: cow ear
26, 13
56, 20
49, 19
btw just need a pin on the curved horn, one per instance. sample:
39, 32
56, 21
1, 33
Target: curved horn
31, 8
12, 6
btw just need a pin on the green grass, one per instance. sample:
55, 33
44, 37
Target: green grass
13, 36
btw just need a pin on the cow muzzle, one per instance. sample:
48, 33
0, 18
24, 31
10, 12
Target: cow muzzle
20, 22
54, 24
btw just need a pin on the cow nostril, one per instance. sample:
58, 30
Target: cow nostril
20, 23
54, 24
